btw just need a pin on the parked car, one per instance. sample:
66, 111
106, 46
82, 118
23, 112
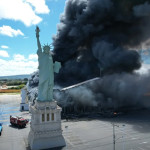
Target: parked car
1, 128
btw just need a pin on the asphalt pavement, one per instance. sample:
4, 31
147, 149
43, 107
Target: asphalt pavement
131, 130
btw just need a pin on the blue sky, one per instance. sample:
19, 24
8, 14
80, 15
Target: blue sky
18, 20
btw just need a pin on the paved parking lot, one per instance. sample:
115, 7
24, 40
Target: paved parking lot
132, 130
10, 105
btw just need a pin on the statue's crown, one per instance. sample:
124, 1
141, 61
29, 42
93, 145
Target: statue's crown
46, 46
46, 49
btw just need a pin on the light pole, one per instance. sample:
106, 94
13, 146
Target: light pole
123, 140
66, 127
114, 136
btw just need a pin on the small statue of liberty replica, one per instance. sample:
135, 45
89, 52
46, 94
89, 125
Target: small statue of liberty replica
45, 129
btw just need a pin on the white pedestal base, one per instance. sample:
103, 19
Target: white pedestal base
46, 143
45, 131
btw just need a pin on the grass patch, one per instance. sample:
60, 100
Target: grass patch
9, 93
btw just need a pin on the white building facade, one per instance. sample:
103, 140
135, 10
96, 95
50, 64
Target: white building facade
24, 105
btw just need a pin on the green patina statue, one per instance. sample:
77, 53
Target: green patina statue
46, 71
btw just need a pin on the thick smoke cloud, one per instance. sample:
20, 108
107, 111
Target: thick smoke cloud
116, 91
142, 10
101, 37
115, 58
100, 34
127, 89
32, 86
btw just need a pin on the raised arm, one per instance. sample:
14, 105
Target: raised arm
38, 41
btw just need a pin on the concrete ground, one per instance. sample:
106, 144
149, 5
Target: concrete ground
132, 131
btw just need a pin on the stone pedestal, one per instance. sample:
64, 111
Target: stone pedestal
45, 128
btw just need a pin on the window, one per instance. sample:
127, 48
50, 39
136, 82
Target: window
43, 117
47, 117
52, 116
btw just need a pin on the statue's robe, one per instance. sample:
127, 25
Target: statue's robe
46, 76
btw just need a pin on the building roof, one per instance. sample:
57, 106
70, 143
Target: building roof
79, 84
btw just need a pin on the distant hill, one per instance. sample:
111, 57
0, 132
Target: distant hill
15, 77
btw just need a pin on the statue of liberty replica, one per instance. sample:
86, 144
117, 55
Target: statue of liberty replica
46, 71
45, 128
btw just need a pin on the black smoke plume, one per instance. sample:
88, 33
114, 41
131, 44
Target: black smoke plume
116, 92
101, 37
96, 35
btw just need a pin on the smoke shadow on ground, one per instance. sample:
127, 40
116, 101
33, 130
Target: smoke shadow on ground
139, 119
58, 148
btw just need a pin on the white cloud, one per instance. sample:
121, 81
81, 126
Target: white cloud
4, 46
40, 6
7, 30
18, 57
18, 65
33, 56
22, 10
4, 53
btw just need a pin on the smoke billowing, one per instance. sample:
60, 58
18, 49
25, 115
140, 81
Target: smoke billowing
116, 91
100, 34
102, 37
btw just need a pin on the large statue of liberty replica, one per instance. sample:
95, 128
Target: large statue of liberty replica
46, 71
45, 128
